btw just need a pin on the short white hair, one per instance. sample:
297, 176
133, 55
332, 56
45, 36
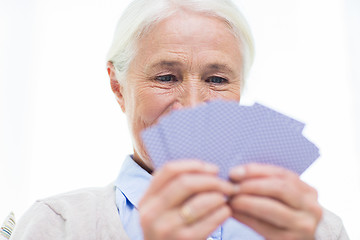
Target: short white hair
140, 15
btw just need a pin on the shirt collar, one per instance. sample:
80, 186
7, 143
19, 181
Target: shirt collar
132, 181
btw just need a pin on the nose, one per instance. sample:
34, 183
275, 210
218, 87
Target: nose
191, 94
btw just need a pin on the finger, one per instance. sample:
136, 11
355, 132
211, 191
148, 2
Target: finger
161, 226
185, 186
263, 228
305, 231
277, 188
204, 227
179, 190
264, 209
174, 168
256, 170
203, 204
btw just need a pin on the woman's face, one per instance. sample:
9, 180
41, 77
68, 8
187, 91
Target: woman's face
182, 61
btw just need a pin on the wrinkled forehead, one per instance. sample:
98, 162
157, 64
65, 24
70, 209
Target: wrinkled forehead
188, 23
189, 33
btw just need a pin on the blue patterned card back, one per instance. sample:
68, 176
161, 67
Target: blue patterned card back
226, 134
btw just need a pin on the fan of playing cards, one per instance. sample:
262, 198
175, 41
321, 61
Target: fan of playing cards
227, 134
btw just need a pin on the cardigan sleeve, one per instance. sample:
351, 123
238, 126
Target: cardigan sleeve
331, 227
86, 214
39, 222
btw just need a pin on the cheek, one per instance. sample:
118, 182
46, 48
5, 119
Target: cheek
151, 105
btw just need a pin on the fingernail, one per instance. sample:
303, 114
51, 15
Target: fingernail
240, 172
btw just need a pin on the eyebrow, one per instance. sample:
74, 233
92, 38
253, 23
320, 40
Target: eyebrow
219, 67
165, 63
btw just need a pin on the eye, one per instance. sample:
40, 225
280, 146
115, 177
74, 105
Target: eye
166, 78
216, 80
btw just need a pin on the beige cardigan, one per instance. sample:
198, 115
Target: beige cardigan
91, 214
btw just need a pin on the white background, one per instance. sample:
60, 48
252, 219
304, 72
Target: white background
61, 128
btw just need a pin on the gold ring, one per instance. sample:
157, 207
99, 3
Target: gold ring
186, 215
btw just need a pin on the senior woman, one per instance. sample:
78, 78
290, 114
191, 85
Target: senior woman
168, 55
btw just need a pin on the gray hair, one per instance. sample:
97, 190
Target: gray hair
140, 15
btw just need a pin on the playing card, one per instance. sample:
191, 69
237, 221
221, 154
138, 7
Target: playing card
219, 133
153, 140
226, 134
280, 118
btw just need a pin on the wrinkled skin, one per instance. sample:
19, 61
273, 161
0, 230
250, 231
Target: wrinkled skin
186, 60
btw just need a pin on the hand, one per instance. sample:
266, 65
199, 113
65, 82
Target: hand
274, 202
185, 200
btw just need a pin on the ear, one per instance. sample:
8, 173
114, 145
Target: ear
116, 87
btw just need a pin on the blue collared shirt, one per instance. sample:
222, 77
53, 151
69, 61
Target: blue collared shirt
131, 185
